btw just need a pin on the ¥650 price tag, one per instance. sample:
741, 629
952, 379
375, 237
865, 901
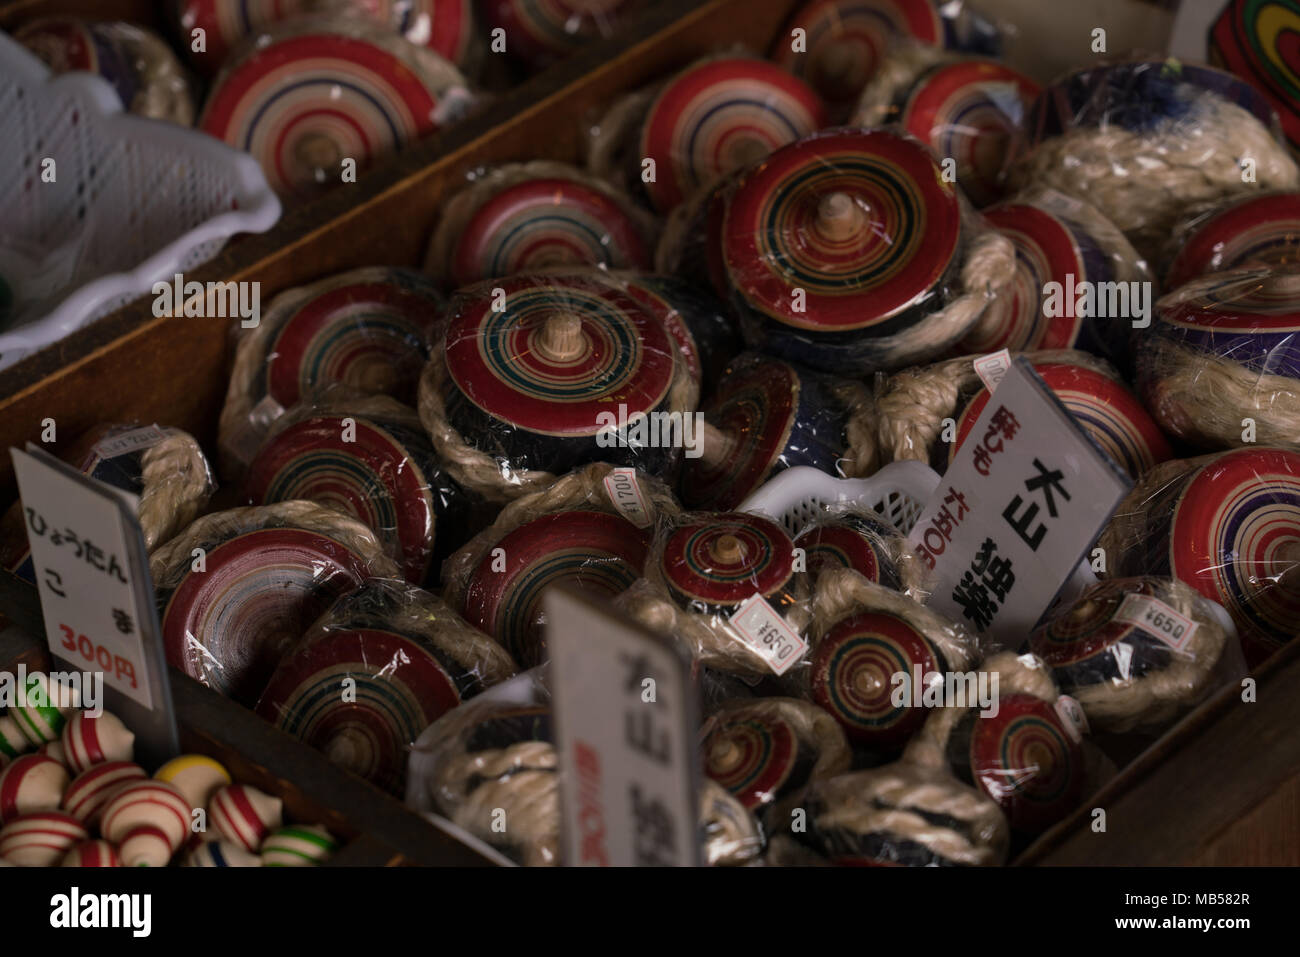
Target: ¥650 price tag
1154, 616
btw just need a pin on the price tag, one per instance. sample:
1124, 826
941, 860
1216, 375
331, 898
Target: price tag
1072, 717
624, 492
992, 367
767, 634
97, 599
626, 715
1154, 616
1023, 500
126, 442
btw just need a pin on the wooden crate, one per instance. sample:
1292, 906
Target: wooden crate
376, 829
1223, 786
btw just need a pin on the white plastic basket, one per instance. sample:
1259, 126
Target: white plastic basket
133, 201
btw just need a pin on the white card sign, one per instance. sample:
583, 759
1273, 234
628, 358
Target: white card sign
1024, 499
626, 717
97, 599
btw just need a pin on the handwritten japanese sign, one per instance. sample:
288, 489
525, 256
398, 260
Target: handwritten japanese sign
626, 717
92, 573
1024, 499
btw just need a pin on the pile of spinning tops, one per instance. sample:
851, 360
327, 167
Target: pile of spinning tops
317, 90
71, 795
759, 262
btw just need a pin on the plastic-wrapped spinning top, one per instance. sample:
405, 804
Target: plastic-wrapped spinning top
371, 461
1057, 240
965, 110
548, 374
524, 217
718, 561
1223, 356
267, 573
845, 40
900, 815
765, 752
765, 416
164, 467
366, 328
1124, 673
411, 658
717, 116
843, 250
1104, 406
321, 94
1025, 757
706, 335
853, 540
1257, 230
137, 62
542, 31
444, 26
1229, 526
1255, 39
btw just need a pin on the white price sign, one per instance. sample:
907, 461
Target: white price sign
1023, 500
92, 573
626, 718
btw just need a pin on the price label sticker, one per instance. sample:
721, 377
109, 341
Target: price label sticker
767, 634
1072, 717
992, 367
624, 492
97, 599
1155, 617
125, 443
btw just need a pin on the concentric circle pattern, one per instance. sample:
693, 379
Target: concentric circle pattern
369, 471
401, 687
728, 558
305, 103
851, 541
1026, 761
1235, 537
1259, 230
754, 756
968, 111
845, 40
720, 116
596, 551
901, 236
622, 362
545, 223
1111, 414
854, 677
756, 410
227, 626
1257, 40
541, 31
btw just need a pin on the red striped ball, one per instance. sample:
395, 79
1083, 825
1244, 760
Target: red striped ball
88, 741
244, 815
92, 789
31, 783
92, 854
40, 839
147, 803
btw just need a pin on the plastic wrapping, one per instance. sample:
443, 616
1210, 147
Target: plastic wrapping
767, 751
539, 32
315, 100
412, 659
702, 568
767, 415
1129, 663
369, 458
369, 329
900, 815
238, 588
965, 109
496, 754
848, 252
164, 467
857, 537
1145, 139
912, 407
1229, 526
1024, 751
447, 27
591, 528
1221, 365
718, 115
1254, 230
1249, 39
540, 374
136, 61
523, 217
864, 636
1063, 240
